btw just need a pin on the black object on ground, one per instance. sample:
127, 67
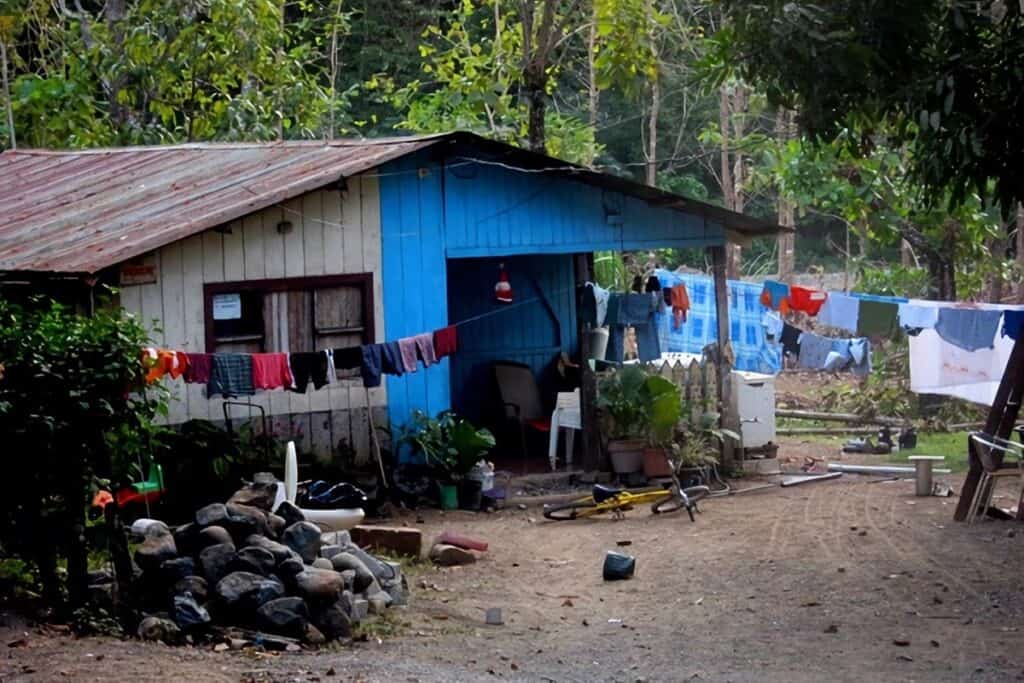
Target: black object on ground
618, 566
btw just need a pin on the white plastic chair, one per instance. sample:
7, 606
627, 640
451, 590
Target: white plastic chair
566, 416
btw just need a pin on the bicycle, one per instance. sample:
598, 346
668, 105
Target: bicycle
602, 499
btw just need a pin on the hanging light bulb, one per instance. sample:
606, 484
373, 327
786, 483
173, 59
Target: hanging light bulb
503, 290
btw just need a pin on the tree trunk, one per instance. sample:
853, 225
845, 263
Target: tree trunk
1020, 250
7, 96
593, 94
652, 133
536, 102
729, 199
907, 255
786, 241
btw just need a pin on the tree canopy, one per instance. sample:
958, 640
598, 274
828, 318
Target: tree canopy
944, 78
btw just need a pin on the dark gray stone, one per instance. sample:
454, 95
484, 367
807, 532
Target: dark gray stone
196, 585
257, 495
245, 520
333, 621
214, 561
159, 629
322, 563
212, 535
245, 592
280, 551
188, 613
286, 616
214, 514
379, 569
303, 538
178, 568
277, 524
313, 636
291, 567
253, 559
186, 537
290, 513
154, 551
363, 576
319, 585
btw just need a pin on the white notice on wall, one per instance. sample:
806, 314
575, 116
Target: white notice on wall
227, 306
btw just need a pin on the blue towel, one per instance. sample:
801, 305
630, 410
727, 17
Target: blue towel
1012, 322
969, 328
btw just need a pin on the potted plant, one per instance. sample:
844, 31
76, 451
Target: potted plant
452, 446
640, 412
696, 446
663, 408
623, 417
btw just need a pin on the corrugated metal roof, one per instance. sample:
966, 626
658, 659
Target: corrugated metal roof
82, 211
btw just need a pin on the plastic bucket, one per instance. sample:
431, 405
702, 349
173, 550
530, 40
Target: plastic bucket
598, 343
449, 496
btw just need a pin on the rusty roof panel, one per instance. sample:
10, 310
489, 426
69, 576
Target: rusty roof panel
81, 211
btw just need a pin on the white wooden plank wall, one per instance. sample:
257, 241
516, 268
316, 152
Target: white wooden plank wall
333, 232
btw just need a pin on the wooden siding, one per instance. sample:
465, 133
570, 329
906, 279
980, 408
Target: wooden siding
491, 210
528, 333
412, 222
333, 233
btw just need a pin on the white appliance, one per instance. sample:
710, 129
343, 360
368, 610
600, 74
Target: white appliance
753, 400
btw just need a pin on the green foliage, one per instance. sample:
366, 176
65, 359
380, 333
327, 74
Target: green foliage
72, 399
447, 442
935, 72
627, 51
470, 81
636, 404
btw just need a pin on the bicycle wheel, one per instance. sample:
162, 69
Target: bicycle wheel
674, 501
573, 510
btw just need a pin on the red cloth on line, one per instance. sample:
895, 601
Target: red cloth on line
806, 299
446, 341
680, 305
270, 371
198, 369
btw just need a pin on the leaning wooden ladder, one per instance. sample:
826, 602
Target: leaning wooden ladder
1001, 419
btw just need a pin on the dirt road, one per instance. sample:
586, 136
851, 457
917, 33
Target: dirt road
843, 580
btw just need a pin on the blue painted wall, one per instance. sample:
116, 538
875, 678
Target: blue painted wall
492, 210
435, 215
415, 289
527, 332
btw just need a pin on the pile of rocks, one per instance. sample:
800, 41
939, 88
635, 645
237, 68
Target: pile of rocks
246, 564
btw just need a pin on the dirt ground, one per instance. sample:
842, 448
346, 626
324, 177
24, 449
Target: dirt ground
841, 580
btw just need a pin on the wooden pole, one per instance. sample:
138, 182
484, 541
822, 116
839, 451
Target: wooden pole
591, 433
840, 417
724, 366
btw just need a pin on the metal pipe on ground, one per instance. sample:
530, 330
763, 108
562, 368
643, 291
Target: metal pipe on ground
840, 417
878, 469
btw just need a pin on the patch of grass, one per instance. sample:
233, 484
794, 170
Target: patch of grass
952, 445
383, 626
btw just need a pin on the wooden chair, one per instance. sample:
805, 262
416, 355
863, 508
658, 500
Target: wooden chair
990, 478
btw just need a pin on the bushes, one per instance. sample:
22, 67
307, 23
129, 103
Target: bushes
73, 404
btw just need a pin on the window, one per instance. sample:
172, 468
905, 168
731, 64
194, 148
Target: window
291, 315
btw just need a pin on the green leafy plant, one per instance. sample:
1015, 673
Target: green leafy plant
448, 442
637, 404
697, 443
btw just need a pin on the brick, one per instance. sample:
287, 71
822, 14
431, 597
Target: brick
395, 540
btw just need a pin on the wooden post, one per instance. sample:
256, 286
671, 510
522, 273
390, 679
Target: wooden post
591, 432
1001, 418
724, 366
